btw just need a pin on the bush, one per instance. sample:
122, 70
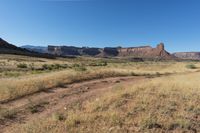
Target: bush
31, 66
11, 73
53, 66
103, 63
75, 65
22, 65
80, 68
57, 117
7, 114
191, 66
46, 67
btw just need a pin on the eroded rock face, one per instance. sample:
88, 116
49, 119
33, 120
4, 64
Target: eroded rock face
188, 55
143, 51
161, 46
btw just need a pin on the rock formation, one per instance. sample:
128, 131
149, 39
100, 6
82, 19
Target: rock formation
136, 52
143, 51
188, 55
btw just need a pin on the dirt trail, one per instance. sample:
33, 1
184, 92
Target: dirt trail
43, 104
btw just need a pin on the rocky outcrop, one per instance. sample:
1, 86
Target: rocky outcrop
188, 55
143, 51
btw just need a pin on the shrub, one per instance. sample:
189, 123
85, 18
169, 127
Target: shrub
80, 68
150, 123
53, 66
57, 117
22, 65
11, 74
32, 107
103, 63
31, 66
7, 114
75, 65
46, 67
191, 66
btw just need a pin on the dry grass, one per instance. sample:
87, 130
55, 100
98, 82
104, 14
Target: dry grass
12, 88
164, 104
28, 82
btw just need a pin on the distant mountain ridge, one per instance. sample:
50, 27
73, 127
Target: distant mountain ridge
7, 48
40, 49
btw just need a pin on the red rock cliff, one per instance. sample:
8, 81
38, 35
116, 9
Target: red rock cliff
145, 51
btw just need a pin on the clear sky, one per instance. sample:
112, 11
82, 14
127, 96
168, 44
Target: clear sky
100, 23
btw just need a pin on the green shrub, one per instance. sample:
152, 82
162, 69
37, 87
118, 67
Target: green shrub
75, 65
54, 66
80, 68
57, 117
191, 66
33, 109
31, 66
22, 65
150, 123
7, 114
103, 63
46, 67
11, 73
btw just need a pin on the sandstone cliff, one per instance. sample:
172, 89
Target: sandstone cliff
188, 55
143, 52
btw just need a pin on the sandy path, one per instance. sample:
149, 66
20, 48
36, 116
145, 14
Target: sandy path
56, 99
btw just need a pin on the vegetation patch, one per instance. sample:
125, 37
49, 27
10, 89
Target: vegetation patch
191, 66
22, 65
80, 68
54, 66
102, 63
7, 114
57, 116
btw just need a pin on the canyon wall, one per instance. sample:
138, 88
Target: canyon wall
143, 51
188, 55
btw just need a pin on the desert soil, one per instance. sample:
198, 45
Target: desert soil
58, 99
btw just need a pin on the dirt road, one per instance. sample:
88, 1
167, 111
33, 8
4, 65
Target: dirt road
43, 104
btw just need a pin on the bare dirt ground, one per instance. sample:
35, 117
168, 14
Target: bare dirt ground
43, 104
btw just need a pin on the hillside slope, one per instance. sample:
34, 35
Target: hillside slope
7, 48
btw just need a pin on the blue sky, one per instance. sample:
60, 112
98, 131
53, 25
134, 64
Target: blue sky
100, 23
